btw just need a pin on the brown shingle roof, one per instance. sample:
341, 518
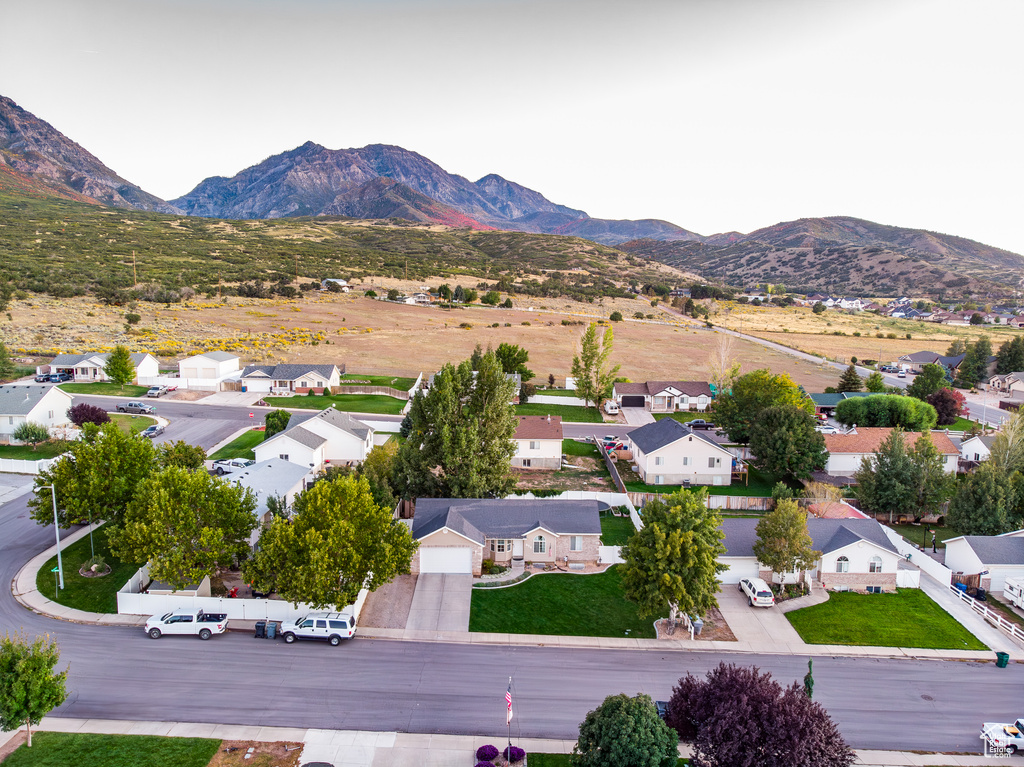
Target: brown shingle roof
869, 439
539, 427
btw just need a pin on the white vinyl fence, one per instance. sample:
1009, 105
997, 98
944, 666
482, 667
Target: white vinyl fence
15, 466
939, 572
908, 579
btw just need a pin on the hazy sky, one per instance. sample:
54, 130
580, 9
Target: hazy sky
714, 114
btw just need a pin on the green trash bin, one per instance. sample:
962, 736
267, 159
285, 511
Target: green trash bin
1002, 658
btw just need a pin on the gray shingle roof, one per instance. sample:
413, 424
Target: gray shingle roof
302, 436
289, 372
345, 422
827, 534
997, 550
19, 400
654, 436
218, 356
479, 519
268, 478
73, 360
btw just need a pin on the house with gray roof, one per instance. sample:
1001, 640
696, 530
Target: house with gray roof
993, 557
209, 366
455, 535
663, 396
975, 450
45, 405
89, 368
856, 554
292, 377
329, 437
667, 452
272, 478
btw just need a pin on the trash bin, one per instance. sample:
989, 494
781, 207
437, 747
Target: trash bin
698, 626
261, 629
272, 630
245, 389
980, 596
1002, 658
961, 587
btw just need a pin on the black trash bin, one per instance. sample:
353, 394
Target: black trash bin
980, 596
1002, 658
261, 629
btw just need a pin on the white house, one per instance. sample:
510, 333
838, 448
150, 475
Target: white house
343, 284
328, 437
663, 396
538, 441
994, 557
668, 453
209, 366
846, 451
977, 448
295, 377
87, 368
856, 554
272, 478
297, 445
45, 405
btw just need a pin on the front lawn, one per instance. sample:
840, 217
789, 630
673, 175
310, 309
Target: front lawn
395, 382
560, 604
94, 595
615, 531
60, 749
26, 453
906, 618
105, 387
240, 447
916, 534
583, 449
132, 424
683, 416
759, 485
349, 403
572, 413
557, 392
961, 424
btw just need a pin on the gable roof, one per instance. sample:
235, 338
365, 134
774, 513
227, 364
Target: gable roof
986, 439
289, 372
831, 399
73, 360
654, 436
274, 477
650, 388
300, 435
345, 422
21, 400
827, 535
538, 427
867, 439
479, 519
216, 356
996, 549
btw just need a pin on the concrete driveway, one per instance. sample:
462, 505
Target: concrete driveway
760, 627
637, 416
441, 602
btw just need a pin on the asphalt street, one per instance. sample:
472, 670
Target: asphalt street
451, 688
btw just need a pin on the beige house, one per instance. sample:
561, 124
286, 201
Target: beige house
668, 453
208, 366
663, 396
846, 451
455, 535
1011, 383
538, 441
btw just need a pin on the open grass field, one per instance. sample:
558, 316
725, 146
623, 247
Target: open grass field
105, 387
574, 413
60, 749
27, 453
906, 618
349, 403
240, 447
95, 595
559, 604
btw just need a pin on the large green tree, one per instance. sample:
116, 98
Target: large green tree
984, 503
7, 366
1007, 450
932, 484
275, 422
1010, 357
182, 454
850, 380
460, 442
186, 524
513, 359
625, 732
119, 367
672, 561
875, 382
30, 687
783, 543
974, 366
31, 433
886, 480
337, 541
786, 444
737, 410
96, 478
594, 377
931, 378
887, 410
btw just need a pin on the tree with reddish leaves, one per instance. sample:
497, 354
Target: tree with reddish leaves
948, 403
85, 413
740, 717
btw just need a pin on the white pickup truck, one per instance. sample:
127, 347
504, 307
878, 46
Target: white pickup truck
1007, 738
200, 624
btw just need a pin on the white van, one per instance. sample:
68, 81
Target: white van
610, 407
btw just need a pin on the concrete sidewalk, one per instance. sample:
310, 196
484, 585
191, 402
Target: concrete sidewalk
361, 748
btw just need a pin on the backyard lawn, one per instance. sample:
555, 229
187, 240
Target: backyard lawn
59, 749
584, 449
132, 424
562, 605
105, 387
95, 595
906, 618
240, 447
759, 485
615, 531
915, 534
349, 403
574, 413
395, 382
557, 392
26, 453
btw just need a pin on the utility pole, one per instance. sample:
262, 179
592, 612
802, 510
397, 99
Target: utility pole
296, 267
135, 276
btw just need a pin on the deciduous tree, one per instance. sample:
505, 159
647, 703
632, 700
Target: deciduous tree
337, 541
513, 359
850, 380
7, 366
672, 561
931, 378
182, 454
984, 503
737, 410
887, 410
119, 367
31, 433
783, 543
722, 371
30, 686
1007, 450
875, 382
948, 404
83, 413
625, 732
886, 480
275, 422
594, 378
786, 444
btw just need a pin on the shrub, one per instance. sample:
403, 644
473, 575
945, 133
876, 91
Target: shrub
856, 334
508, 324
487, 753
466, 325
370, 294
879, 335
615, 317
890, 335
909, 336
85, 413
638, 315
132, 318
524, 323
514, 753
96, 563
494, 324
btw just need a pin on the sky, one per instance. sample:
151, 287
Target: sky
716, 115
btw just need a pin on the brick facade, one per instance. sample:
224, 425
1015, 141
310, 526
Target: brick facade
859, 581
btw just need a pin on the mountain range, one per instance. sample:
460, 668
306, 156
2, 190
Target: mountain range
381, 181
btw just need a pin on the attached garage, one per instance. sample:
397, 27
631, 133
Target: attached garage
739, 568
632, 400
446, 559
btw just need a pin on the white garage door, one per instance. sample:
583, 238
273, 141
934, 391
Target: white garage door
739, 568
1000, 574
446, 559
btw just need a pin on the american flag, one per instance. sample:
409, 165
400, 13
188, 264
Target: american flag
508, 700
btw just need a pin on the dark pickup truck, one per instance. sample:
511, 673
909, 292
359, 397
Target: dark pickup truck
700, 423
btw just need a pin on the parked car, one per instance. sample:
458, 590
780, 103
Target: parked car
757, 591
610, 407
1007, 737
826, 429
228, 465
200, 624
700, 423
156, 391
139, 408
59, 377
43, 378
152, 431
902, 374
331, 627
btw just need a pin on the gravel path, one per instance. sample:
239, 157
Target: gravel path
388, 607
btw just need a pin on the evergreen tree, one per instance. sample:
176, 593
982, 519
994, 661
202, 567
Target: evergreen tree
459, 296
275, 422
974, 366
984, 503
875, 382
1010, 357
957, 347
783, 544
119, 367
849, 380
786, 443
809, 679
932, 485
594, 379
886, 480
7, 366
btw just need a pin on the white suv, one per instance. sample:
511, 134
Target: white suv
332, 627
757, 591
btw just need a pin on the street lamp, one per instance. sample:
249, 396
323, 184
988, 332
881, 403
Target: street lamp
56, 530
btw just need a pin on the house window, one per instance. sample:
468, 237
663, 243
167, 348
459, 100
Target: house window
283, 456
659, 480
10, 420
875, 565
501, 546
526, 463
539, 545
303, 384
575, 543
874, 589
534, 445
492, 545
842, 565
713, 462
50, 415
659, 460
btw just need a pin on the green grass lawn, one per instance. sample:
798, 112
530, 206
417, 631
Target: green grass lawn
906, 618
557, 392
60, 749
683, 416
915, 534
26, 453
395, 382
584, 449
575, 413
759, 485
95, 595
240, 447
961, 424
105, 387
351, 403
560, 605
615, 531
132, 424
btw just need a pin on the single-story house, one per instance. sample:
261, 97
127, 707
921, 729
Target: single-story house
209, 366
918, 360
538, 441
663, 396
45, 405
272, 478
87, 368
977, 448
328, 437
846, 451
667, 452
343, 284
856, 554
297, 444
994, 557
826, 403
295, 377
455, 535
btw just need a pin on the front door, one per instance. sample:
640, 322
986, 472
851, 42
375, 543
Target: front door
517, 548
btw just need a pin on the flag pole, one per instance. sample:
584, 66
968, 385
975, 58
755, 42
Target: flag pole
508, 721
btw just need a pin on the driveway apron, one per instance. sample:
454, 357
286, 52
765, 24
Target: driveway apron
441, 602
756, 626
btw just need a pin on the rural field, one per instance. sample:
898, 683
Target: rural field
383, 338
